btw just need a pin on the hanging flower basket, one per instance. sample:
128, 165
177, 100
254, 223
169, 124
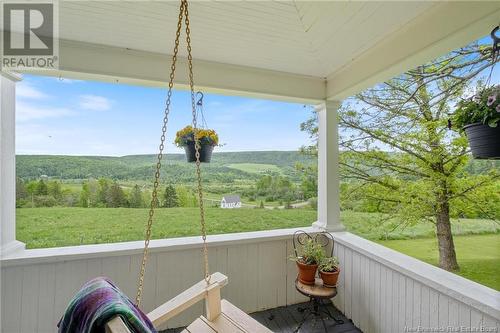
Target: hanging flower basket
484, 140
205, 153
479, 118
207, 140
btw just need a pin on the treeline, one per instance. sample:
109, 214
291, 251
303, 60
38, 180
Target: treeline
100, 193
141, 167
272, 188
40, 193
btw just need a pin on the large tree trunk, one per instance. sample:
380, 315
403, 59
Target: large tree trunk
447, 255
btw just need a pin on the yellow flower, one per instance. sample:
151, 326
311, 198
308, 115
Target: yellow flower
205, 136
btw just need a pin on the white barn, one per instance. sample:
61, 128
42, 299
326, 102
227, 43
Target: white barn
230, 201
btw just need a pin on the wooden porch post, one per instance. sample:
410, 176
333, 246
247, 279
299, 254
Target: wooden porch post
328, 167
8, 240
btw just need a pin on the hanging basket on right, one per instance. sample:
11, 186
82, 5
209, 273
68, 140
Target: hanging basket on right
484, 141
479, 117
207, 140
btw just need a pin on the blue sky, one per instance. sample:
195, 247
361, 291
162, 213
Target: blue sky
74, 117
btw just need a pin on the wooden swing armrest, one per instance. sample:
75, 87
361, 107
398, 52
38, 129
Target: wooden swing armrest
180, 303
190, 297
116, 325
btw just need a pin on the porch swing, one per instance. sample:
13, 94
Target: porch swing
221, 316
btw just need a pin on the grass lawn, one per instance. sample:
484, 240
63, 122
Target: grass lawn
53, 227
478, 255
367, 225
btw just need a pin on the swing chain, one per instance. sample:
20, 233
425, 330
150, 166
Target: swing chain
154, 198
183, 10
196, 146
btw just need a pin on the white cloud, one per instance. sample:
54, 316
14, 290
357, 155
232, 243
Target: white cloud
25, 90
26, 112
95, 103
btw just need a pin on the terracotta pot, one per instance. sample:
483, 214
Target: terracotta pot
330, 278
205, 152
484, 141
307, 273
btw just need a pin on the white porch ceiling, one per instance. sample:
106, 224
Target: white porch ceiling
294, 50
309, 38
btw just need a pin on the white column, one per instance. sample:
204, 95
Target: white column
8, 244
328, 168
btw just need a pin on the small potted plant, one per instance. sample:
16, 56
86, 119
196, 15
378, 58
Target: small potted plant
479, 117
329, 271
307, 263
207, 139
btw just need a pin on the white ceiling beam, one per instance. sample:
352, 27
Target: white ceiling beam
105, 63
445, 27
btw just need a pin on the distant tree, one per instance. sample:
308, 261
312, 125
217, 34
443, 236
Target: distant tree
31, 189
70, 198
54, 190
102, 191
136, 197
45, 201
170, 198
261, 204
194, 199
21, 192
264, 184
183, 196
115, 196
84, 195
309, 183
41, 188
93, 190
276, 188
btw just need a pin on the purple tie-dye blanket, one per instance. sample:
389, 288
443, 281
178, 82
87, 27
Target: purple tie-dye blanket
96, 303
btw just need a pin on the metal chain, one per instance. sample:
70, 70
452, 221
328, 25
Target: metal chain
197, 146
183, 10
154, 197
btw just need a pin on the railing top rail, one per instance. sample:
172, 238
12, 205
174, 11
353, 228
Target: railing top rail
480, 297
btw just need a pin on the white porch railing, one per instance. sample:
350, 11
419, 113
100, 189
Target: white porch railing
380, 289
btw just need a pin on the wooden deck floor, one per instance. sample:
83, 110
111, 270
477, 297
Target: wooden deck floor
285, 319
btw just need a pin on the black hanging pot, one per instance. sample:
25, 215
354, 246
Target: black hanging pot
484, 140
205, 152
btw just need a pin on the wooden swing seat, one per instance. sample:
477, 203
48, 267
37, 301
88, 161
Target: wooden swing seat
221, 316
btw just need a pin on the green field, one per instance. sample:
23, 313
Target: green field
255, 167
478, 255
53, 227
367, 225
57, 226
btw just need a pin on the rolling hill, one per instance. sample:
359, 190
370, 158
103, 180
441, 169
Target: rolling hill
225, 167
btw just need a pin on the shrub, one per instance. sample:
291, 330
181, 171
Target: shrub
44, 201
313, 202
